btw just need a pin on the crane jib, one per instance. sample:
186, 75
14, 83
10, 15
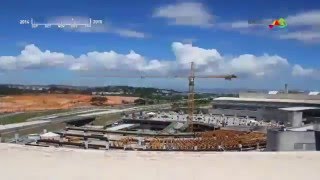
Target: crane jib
191, 79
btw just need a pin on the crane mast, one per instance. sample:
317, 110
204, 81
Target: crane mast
191, 79
191, 98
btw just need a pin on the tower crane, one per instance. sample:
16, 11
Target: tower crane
191, 77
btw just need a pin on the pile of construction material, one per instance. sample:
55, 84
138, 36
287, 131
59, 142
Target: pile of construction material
220, 140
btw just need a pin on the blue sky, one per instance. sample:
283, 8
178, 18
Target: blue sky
162, 37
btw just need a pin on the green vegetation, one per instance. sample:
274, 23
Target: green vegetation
144, 92
150, 95
5, 90
197, 103
27, 115
200, 100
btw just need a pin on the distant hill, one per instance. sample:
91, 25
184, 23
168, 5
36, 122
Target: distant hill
8, 89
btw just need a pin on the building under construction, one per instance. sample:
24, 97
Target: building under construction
233, 129
163, 131
232, 124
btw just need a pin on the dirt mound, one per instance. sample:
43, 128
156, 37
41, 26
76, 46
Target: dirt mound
116, 100
54, 101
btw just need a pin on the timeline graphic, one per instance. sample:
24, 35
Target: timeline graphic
70, 23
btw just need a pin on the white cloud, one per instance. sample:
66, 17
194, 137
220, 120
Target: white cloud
79, 67
246, 24
7, 63
186, 53
303, 19
309, 21
108, 29
114, 61
211, 61
298, 70
130, 33
303, 26
33, 57
206, 61
185, 13
309, 18
249, 64
99, 28
307, 36
105, 27
239, 24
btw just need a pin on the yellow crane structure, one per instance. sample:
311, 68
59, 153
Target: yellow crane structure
191, 77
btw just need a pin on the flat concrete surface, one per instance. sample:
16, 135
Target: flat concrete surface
246, 99
35, 163
121, 126
20, 125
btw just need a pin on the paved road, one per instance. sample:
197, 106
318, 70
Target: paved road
19, 125
112, 111
66, 114
68, 117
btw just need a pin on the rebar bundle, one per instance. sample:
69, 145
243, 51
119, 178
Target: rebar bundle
212, 140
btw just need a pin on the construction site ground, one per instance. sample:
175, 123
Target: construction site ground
32, 102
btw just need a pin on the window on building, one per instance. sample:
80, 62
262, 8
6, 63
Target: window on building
304, 146
298, 146
309, 146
